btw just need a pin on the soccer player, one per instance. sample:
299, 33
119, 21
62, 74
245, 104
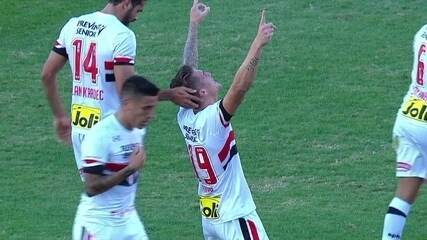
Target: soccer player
113, 154
410, 138
226, 204
101, 50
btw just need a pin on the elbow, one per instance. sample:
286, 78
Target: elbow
47, 77
240, 90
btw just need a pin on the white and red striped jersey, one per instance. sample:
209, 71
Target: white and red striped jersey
106, 150
93, 44
414, 106
223, 190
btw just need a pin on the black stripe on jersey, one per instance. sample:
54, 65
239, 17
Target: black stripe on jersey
233, 151
125, 183
109, 77
244, 228
123, 63
83, 233
61, 51
98, 169
227, 116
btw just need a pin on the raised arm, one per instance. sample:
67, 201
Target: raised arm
183, 96
247, 71
197, 14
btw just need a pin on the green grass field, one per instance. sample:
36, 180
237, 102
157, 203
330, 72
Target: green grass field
314, 133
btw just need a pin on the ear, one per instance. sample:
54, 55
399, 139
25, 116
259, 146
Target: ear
127, 4
203, 92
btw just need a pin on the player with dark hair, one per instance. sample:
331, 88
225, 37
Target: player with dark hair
226, 204
410, 140
101, 50
113, 154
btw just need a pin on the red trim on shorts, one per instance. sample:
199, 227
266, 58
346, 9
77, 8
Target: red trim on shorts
254, 231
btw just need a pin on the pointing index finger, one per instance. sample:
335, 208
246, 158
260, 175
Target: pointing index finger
195, 2
262, 21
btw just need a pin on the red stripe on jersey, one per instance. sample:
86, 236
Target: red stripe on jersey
226, 148
223, 122
124, 60
115, 167
89, 161
254, 232
109, 65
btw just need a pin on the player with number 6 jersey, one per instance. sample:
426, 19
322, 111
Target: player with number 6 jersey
410, 141
226, 204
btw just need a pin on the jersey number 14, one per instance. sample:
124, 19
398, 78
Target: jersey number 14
420, 68
89, 63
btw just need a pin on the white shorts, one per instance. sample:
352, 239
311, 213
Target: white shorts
248, 227
410, 142
91, 229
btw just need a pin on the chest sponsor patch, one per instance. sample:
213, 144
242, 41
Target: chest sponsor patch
85, 117
415, 109
209, 206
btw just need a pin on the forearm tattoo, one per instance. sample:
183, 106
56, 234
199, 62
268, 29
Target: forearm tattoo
190, 50
252, 64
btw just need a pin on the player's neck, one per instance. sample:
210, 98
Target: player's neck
121, 117
111, 10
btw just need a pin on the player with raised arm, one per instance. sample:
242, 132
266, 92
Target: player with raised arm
410, 140
226, 204
101, 51
113, 155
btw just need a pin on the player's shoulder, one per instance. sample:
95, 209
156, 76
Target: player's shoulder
422, 32
104, 127
213, 108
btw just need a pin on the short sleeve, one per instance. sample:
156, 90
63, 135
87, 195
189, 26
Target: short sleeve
217, 116
60, 43
124, 48
95, 151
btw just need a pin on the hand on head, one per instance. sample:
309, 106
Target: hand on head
198, 12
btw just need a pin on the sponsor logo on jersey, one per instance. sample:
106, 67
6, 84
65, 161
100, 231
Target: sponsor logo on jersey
85, 117
209, 206
90, 29
415, 109
191, 134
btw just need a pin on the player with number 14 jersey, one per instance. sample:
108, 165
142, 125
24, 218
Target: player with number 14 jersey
94, 44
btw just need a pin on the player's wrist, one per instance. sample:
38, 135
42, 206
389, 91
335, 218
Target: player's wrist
129, 170
257, 44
